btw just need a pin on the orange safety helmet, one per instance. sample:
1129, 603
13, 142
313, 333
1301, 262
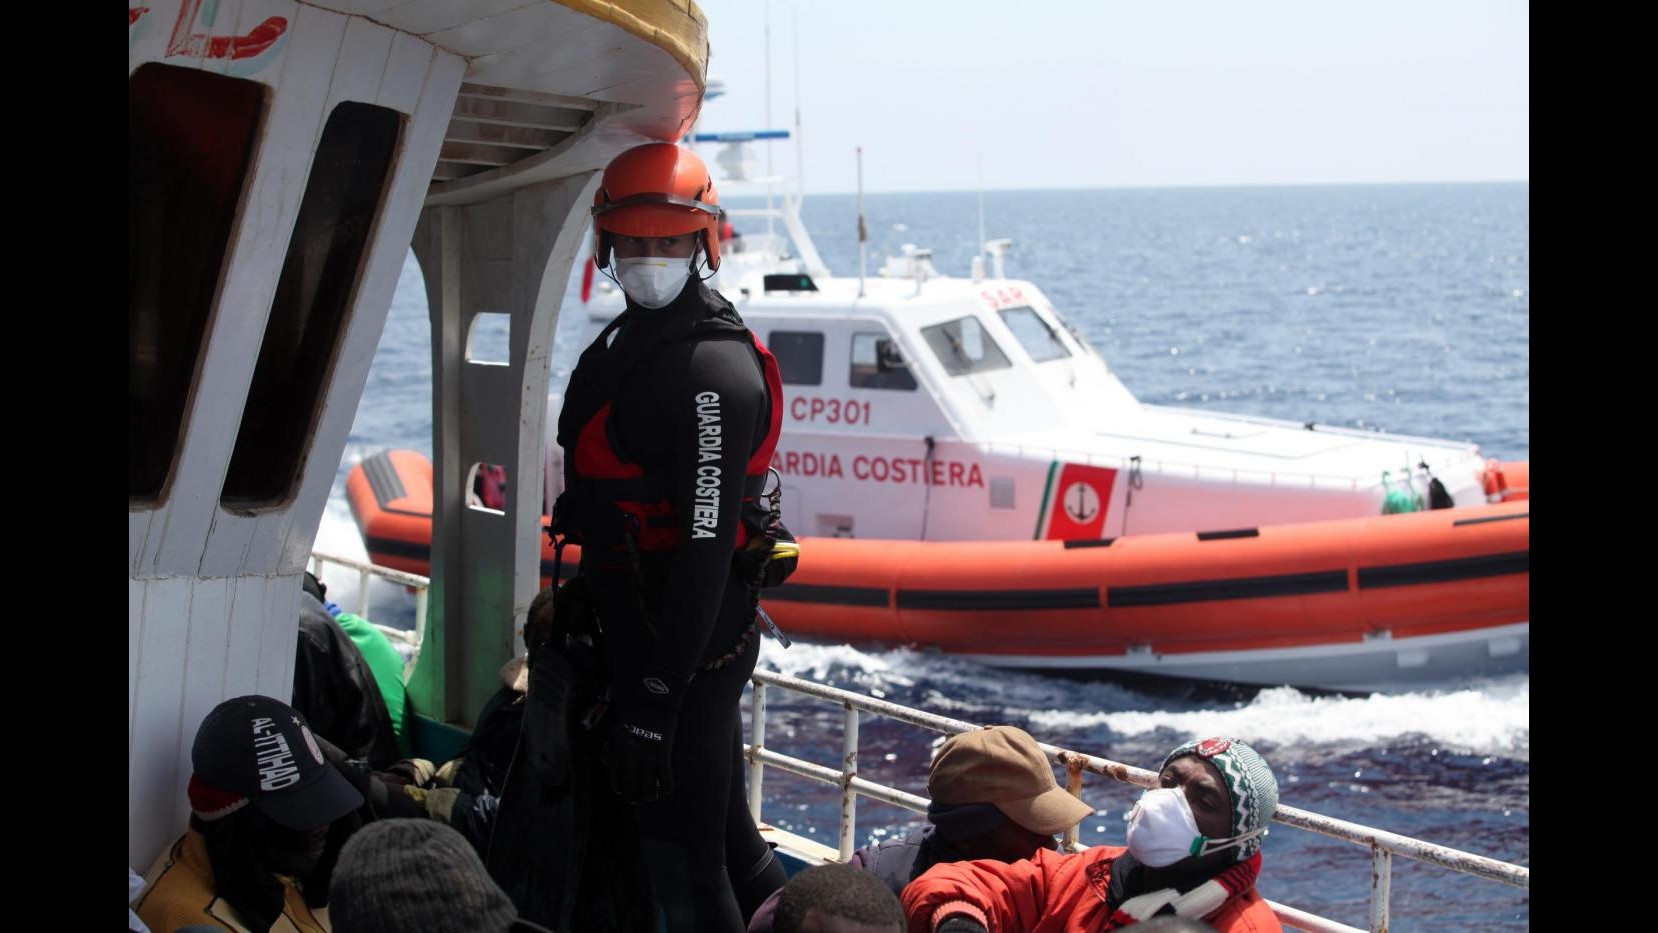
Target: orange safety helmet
658, 189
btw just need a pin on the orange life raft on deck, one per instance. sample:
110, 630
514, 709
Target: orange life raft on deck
1293, 593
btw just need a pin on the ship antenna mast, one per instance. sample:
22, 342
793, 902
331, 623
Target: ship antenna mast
799, 150
770, 181
981, 208
863, 233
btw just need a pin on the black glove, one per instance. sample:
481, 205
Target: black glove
414, 771
385, 799
639, 754
959, 923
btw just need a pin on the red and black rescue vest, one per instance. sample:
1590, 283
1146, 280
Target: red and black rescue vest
607, 495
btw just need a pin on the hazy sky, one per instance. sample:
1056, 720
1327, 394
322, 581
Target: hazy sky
1113, 93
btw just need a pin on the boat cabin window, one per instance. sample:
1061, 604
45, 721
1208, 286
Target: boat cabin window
342, 200
799, 356
190, 138
963, 347
1034, 334
877, 364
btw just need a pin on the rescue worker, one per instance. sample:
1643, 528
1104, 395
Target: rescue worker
668, 429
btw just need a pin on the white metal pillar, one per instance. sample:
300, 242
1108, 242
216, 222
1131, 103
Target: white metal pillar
509, 255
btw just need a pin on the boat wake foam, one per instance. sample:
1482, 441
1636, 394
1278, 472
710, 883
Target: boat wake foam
1489, 717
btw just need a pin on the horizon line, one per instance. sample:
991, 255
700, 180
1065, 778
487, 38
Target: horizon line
1153, 187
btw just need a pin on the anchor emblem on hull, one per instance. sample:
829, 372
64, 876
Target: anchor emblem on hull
1081, 502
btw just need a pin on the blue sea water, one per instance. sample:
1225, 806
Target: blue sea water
1402, 308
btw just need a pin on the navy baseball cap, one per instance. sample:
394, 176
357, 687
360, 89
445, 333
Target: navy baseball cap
260, 751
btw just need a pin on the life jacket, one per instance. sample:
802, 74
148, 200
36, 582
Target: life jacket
608, 497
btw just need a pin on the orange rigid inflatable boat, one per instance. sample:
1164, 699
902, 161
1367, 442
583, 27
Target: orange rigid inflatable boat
391, 499
1356, 604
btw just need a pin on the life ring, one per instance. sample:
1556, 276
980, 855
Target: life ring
1496, 485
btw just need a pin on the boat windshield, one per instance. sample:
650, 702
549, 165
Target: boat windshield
1034, 334
877, 364
963, 347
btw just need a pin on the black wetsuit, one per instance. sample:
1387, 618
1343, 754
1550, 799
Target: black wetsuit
666, 387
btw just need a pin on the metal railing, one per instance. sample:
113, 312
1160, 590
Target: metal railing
367, 571
1382, 844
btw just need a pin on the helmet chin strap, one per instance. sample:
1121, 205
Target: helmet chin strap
701, 253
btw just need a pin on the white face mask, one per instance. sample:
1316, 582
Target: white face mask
1162, 830
653, 281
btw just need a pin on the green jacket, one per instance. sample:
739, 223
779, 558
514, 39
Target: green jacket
387, 666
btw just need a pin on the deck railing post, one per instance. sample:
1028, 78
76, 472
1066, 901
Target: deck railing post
757, 768
1381, 883
420, 629
362, 593
849, 770
1073, 783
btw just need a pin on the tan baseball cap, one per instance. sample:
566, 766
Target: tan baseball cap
1002, 765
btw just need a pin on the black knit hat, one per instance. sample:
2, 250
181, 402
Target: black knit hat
415, 876
314, 586
259, 751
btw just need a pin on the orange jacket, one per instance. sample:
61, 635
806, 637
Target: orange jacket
181, 893
1051, 893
